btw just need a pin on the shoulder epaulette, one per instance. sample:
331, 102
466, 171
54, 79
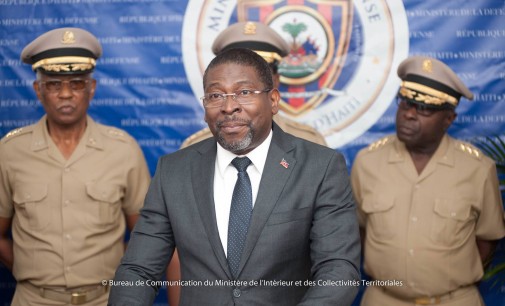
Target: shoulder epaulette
116, 133
14, 133
379, 143
196, 137
469, 149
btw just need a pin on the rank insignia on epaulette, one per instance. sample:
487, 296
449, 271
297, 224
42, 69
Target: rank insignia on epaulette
114, 132
379, 143
13, 132
469, 149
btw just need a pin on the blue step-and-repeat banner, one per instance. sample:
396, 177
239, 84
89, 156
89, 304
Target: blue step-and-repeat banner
340, 76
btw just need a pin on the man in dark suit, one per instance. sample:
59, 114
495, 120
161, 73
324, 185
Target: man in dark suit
259, 217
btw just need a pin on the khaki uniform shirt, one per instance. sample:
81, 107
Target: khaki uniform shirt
289, 126
68, 219
421, 229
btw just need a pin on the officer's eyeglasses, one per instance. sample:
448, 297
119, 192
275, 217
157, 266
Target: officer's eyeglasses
56, 85
421, 109
242, 97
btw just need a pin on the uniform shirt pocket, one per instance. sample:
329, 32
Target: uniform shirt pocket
453, 221
381, 215
31, 204
106, 205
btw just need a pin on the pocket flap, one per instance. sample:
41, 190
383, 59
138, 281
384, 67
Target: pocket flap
29, 192
378, 203
103, 192
288, 216
458, 210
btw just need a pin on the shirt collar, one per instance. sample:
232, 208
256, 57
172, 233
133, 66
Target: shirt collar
258, 156
40, 135
443, 154
91, 136
94, 138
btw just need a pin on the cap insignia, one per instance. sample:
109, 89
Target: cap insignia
249, 28
68, 38
427, 66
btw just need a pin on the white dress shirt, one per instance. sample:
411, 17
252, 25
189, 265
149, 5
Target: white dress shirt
225, 177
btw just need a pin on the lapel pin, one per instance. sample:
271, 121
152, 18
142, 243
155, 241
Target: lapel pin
284, 163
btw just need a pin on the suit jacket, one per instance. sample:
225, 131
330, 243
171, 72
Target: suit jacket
303, 232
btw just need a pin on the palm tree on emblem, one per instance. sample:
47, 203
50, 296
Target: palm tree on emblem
294, 29
302, 59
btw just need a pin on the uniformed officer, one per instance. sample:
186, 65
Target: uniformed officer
68, 185
272, 47
429, 204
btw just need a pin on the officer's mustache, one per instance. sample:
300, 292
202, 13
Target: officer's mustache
232, 119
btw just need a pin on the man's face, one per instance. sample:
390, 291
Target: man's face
239, 128
65, 98
422, 131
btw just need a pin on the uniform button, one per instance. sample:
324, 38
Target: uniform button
414, 219
412, 284
417, 186
236, 292
67, 169
67, 236
453, 214
411, 252
28, 196
68, 269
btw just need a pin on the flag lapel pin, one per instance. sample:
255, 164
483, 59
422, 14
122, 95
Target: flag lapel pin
284, 163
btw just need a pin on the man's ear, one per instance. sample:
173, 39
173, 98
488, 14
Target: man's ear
277, 80
93, 88
275, 97
36, 88
451, 116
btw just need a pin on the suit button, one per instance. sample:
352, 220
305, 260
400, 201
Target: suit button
236, 292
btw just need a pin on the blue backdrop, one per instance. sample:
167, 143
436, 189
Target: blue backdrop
340, 76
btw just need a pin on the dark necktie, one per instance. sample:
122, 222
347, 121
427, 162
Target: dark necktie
240, 214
